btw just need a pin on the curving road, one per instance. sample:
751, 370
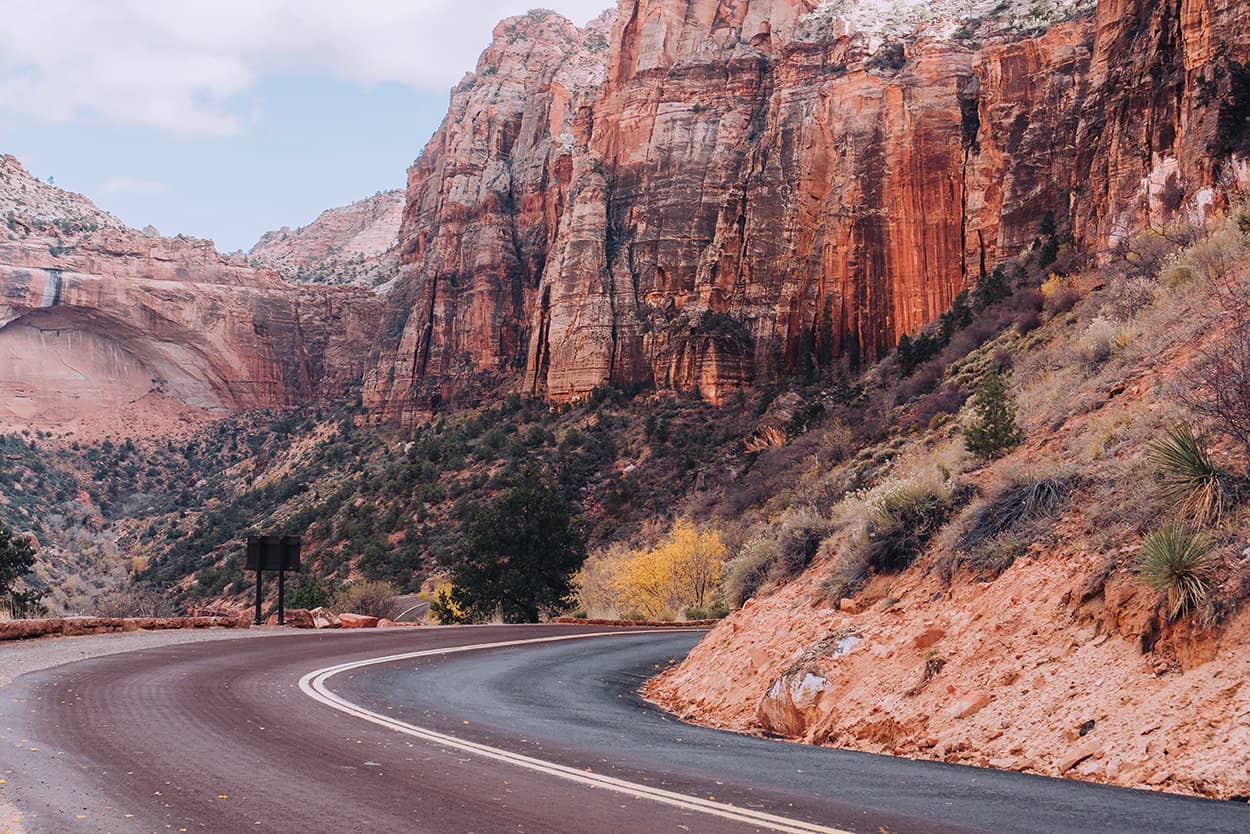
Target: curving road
310, 733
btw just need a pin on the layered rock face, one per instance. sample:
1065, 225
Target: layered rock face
353, 244
701, 195
105, 328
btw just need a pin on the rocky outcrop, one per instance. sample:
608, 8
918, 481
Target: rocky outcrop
701, 195
100, 323
353, 244
486, 200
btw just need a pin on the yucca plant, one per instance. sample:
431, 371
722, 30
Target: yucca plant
1191, 477
1177, 560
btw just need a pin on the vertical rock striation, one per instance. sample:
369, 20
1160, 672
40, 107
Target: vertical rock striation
702, 194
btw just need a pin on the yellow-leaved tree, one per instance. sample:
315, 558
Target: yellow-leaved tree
680, 573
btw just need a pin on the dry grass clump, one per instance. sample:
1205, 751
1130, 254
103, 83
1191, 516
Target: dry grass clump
900, 524
1019, 502
895, 521
1000, 530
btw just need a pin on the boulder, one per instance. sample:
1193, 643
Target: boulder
300, 618
358, 621
324, 619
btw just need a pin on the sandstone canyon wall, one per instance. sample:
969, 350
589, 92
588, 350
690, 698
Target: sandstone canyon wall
689, 195
104, 328
700, 195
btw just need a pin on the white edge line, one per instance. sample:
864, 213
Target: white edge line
314, 686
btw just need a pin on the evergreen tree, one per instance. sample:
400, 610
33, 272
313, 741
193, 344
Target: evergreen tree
519, 554
993, 429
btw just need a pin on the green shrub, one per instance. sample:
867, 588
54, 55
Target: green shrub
1191, 478
310, 591
373, 599
1177, 560
132, 601
17, 557
900, 524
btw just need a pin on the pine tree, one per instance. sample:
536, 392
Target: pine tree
993, 429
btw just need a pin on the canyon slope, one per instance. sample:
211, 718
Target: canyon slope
704, 195
107, 330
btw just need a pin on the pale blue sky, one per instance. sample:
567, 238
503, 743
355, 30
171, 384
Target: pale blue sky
226, 118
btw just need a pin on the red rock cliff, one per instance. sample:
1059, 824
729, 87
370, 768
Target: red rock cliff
700, 194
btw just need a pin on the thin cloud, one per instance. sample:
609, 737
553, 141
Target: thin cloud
186, 67
133, 186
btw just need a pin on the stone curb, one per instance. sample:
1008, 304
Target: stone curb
76, 626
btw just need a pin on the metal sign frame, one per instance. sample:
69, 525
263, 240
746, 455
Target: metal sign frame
273, 553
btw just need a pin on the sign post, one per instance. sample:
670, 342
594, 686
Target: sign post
270, 553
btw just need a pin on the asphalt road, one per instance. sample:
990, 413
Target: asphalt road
539, 737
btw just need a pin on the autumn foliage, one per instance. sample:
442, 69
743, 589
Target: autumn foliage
680, 574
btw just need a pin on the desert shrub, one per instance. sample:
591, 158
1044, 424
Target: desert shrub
993, 429
1179, 561
900, 523
776, 556
799, 535
747, 572
1213, 257
133, 601
682, 571
1218, 385
17, 557
716, 611
1101, 338
1129, 295
947, 400
1191, 478
1176, 275
373, 599
1059, 295
598, 589
23, 605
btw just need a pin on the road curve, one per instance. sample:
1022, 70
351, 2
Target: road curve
221, 737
